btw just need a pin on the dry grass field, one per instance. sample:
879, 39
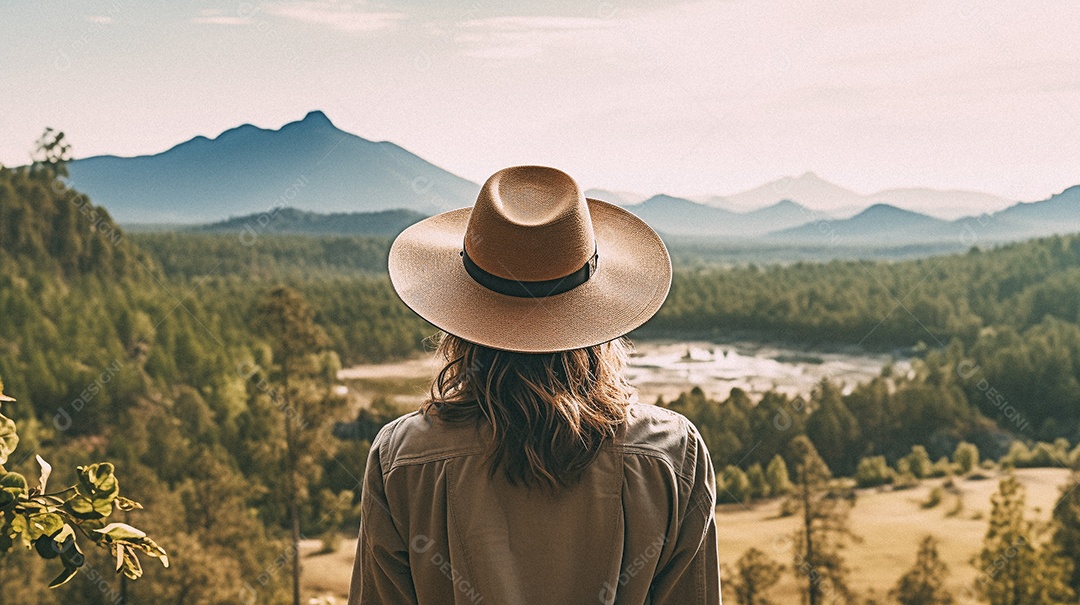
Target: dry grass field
889, 525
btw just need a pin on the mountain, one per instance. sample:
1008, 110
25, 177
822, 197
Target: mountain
809, 190
715, 201
309, 164
1058, 214
679, 216
947, 204
879, 225
620, 198
824, 197
386, 223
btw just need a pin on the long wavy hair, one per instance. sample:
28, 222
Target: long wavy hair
549, 412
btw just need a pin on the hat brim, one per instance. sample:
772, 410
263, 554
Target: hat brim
632, 279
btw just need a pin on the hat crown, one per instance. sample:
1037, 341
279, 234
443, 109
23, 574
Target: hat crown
530, 224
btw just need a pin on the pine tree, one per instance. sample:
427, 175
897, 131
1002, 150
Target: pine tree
288, 322
1013, 570
755, 574
819, 564
733, 486
51, 155
833, 429
1066, 527
924, 583
759, 486
776, 474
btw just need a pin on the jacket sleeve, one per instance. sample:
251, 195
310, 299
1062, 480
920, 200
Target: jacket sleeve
381, 571
692, 573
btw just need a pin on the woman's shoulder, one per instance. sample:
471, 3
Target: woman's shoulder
645, 420
654, 430
416, 438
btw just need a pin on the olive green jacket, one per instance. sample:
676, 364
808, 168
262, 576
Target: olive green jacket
637, 528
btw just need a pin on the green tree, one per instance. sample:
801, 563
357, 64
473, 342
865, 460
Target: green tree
755, 573
1066, 527
776, 474
924, 583
823, 528
833, 428
966, 457
287, 320
759, 486
733, 485
51, 154
1013, 570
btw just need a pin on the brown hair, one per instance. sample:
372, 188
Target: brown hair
549, 412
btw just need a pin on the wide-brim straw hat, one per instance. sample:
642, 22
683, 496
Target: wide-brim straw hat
533, 266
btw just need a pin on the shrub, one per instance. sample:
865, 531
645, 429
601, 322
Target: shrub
941, 468
904, 480
919, 462
934, 498
873, 471
966, 457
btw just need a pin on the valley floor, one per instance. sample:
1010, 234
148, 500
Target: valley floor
890, 525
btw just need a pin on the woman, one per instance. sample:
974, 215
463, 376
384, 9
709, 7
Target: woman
532, 475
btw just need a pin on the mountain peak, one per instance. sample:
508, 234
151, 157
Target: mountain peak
884, 209
785, 204
317, 117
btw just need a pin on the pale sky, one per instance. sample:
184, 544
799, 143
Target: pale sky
682, 98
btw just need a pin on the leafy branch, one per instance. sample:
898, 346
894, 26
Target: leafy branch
50, 523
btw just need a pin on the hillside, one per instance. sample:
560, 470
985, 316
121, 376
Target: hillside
309, 164
385, 223
112, 354
682, 217
879, 224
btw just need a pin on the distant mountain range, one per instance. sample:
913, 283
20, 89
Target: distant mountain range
309, 164
885, 225
679, 216
311, 177
812, 191
622, 198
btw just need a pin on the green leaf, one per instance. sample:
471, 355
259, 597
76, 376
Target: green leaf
121, 531
12, 487
9, 439
97, 481
44, 525
99, 485
67, 574
81, 507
